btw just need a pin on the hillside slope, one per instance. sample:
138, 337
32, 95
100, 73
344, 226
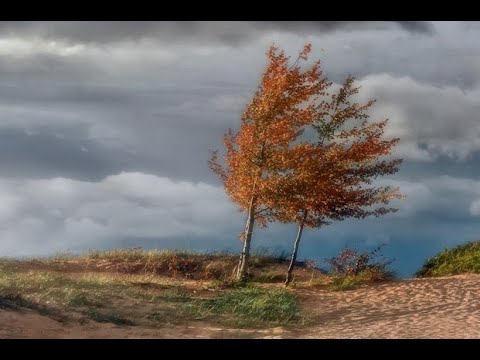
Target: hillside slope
420, 308
461, 259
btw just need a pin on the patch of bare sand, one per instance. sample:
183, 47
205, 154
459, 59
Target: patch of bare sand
27, 324
447, 307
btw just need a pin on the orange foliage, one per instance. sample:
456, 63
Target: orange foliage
275, 173
278, 114
331, 179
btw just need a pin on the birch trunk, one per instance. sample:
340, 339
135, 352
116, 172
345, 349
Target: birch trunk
295, 250
245, 254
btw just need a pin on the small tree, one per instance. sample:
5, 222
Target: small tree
254, 162
331, 179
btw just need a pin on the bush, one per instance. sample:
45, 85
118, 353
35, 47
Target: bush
351, 262
352, 268
183, 265
217, 269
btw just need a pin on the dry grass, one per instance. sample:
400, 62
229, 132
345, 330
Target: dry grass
178, 264
158, 288
149, 288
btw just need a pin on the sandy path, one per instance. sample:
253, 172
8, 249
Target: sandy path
446, 307
423, 308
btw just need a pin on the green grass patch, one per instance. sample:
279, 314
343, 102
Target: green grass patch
119, 298
458, 260
247, 305
342, 282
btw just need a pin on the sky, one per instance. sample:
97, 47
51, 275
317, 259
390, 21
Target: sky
106, 128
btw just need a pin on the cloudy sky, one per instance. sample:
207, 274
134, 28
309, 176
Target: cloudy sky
106, 127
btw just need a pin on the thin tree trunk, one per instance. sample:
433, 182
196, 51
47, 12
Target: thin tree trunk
245, 254
295, 250
243, 264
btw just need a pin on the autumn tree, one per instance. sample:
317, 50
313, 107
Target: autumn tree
331, 179
254, 160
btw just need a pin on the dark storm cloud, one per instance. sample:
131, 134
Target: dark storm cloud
422, 27
58, 92
151, 110
312, 27
38, 74
229, 33
89, 31
147, 129
56, 153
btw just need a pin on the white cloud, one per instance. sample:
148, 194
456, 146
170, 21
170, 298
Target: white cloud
431, 121
48, 215
58, 214
20, 48
438, 197
475, 208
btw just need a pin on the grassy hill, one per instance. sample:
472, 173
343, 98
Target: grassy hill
152, 288
171, 294
157, 288
458, 260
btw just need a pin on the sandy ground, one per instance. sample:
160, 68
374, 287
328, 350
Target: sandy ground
446, 307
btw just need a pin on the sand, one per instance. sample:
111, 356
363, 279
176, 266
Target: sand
447, 307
